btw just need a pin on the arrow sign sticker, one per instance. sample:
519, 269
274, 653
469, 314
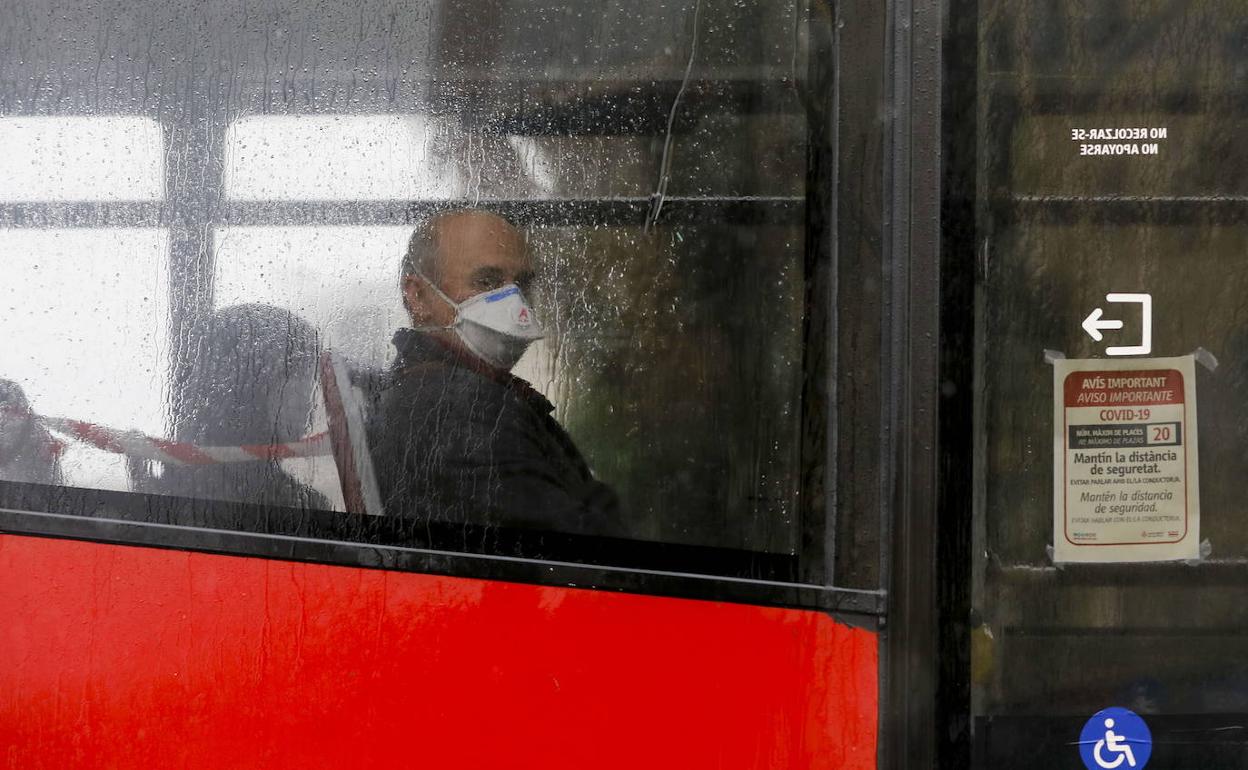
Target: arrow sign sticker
1093, 325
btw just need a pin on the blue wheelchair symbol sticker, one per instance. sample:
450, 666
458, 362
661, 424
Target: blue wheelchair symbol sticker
1115, 738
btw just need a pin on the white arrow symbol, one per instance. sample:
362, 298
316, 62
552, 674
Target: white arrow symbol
1093, 325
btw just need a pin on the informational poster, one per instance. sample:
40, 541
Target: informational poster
1125, 474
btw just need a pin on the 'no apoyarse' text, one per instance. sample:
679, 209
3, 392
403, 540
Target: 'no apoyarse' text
1118, 141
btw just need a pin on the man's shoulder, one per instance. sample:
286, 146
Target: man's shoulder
436, 385
442, 375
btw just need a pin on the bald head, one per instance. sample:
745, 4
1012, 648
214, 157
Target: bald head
454, 236
465, 253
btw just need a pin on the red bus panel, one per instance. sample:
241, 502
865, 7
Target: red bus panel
119, 656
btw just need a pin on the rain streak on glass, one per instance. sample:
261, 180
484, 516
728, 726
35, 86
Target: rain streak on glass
199, 201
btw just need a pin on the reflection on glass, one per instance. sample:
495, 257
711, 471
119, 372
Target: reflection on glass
85, 330
108, 158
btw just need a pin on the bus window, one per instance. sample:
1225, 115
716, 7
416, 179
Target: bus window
82, 304
656, 181
337, 157
79, 158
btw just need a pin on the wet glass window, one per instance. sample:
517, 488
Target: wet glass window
110, 365
232, 237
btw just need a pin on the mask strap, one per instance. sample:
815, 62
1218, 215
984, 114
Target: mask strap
446, 299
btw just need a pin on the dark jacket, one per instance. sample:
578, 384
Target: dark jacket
455, 441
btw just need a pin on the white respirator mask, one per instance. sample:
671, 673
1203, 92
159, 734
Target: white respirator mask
496, 325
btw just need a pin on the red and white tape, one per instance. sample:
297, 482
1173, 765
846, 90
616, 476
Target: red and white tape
132, 443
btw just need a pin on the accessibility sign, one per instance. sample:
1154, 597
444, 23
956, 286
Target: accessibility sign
1115, 738
1125, 475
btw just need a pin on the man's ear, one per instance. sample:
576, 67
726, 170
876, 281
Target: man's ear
414, 299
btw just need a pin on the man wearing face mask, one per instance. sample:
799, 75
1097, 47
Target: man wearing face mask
456, 437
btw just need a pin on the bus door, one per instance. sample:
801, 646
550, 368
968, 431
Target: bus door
1107, 551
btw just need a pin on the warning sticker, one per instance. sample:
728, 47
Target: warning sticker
1125, 479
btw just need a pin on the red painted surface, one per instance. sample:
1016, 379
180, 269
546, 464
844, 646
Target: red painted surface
114, 656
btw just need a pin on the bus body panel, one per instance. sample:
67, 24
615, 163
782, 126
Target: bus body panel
128, 656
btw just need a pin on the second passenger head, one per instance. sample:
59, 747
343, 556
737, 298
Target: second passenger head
464, 280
